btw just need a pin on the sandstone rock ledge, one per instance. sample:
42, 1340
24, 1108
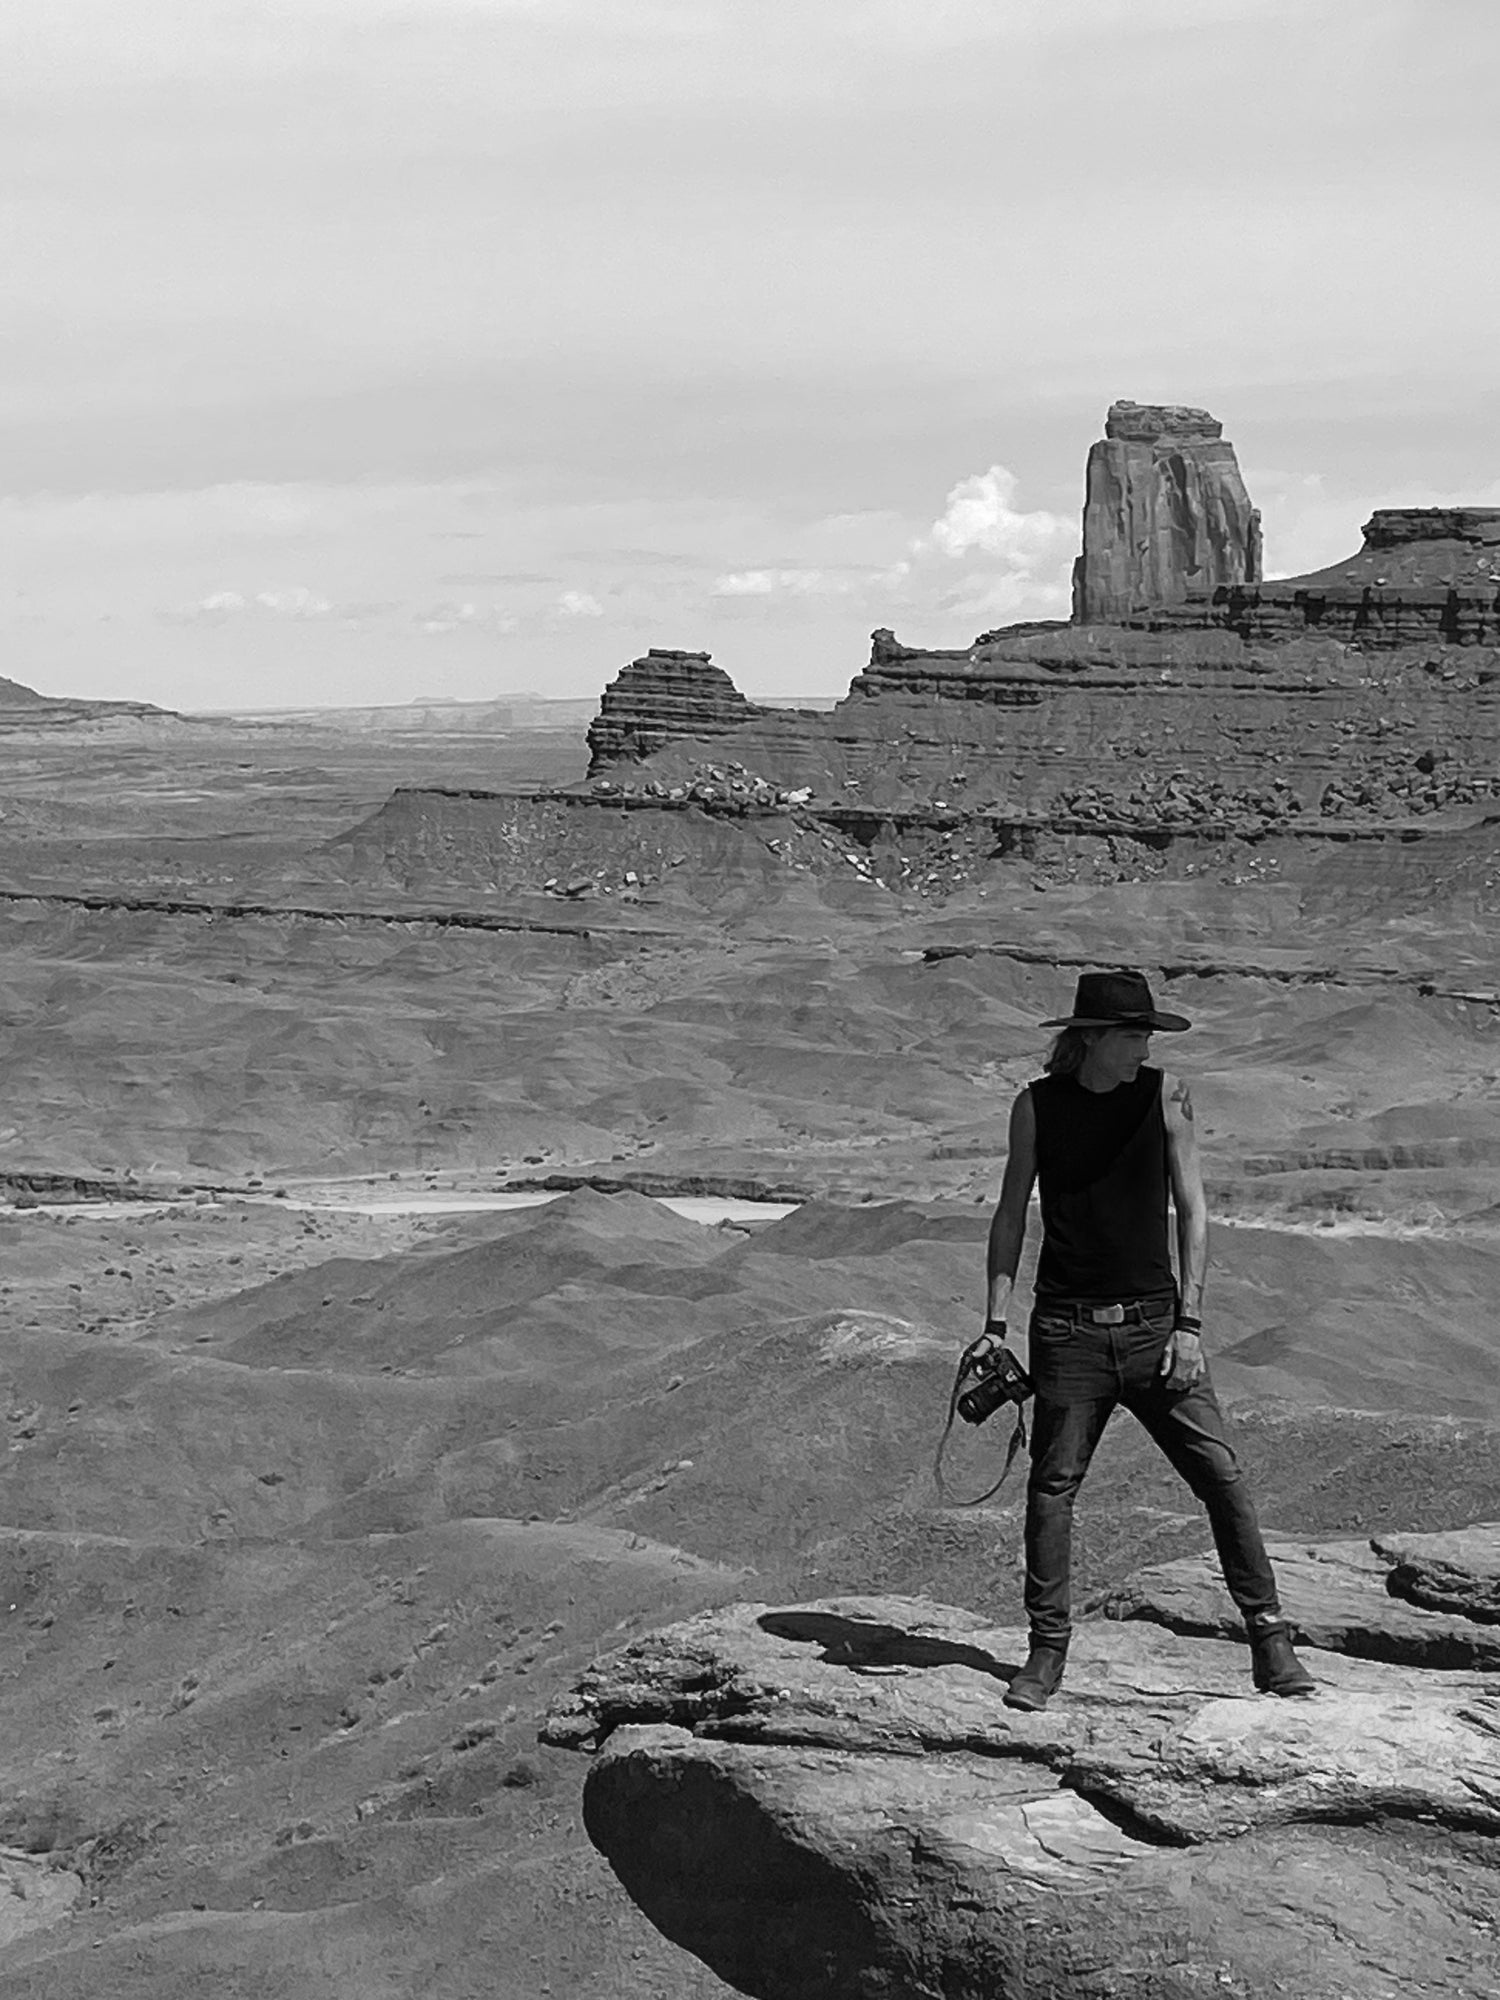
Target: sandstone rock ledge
830, 1799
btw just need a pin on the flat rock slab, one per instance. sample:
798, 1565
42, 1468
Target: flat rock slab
32, 1895
1413, 1600
831, 1798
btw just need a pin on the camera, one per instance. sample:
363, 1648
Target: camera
994, 1376
998, 1378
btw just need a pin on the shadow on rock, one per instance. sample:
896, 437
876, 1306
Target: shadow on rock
863, 1645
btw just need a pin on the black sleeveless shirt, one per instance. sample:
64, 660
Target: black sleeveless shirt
1102, 1172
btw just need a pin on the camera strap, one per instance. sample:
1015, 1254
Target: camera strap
1017, 1440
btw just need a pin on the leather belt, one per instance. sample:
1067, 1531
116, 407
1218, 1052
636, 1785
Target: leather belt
1118, 1314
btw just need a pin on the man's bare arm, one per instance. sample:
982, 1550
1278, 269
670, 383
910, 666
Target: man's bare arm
1008, 1226
1183, 1361
1188, 1197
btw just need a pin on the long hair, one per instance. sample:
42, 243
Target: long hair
1065, 1057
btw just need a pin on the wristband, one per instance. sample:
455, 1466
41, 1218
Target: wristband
995, 1327
1187, 1324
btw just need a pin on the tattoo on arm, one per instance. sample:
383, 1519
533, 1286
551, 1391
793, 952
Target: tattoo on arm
1182, 1098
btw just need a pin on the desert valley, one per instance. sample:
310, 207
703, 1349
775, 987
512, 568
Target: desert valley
386, 1423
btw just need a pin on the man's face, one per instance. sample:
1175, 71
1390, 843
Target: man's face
1119, 1052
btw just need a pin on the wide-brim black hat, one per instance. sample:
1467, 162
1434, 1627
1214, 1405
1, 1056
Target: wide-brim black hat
1118, 1000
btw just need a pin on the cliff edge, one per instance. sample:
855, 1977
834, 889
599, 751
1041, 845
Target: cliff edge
829, 1799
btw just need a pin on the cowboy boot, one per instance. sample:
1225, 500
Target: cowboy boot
1034, 1686
1274, 1667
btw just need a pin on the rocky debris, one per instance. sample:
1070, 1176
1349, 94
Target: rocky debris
664, 695
1184, 801
1165, 512
830, 1798
632, 845
940, 861
1400, 786
719, 788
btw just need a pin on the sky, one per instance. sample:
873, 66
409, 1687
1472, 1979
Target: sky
371, 351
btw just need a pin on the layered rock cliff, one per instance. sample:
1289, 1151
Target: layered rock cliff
829, 1799
1031, 721
1426, 576
22, 708
1370, 688
1189, 702
1165, 513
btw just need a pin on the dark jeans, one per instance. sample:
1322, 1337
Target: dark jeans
1082, 1372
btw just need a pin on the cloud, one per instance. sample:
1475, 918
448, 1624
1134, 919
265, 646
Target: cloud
838, 579
981, 514
779, 582
303, 605
1024, 558
1028, 555
299, 602
579, 604
465, 617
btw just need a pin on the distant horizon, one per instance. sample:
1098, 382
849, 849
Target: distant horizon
375, 351
461, 701
519, 698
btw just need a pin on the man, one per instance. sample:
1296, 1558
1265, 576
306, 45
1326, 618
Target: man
1110, 1140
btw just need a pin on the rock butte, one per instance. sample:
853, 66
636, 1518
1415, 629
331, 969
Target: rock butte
1165, 513
662, 695
1190, 700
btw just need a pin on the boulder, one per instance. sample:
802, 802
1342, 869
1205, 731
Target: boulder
1457, 1574
1165, 513
830, 1799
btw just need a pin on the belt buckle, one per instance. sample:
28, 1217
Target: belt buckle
1107, 1315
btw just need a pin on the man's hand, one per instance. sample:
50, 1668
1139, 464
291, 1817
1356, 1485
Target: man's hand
1182, 1364
989, 1341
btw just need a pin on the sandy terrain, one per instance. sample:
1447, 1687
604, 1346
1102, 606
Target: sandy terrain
308, 1511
